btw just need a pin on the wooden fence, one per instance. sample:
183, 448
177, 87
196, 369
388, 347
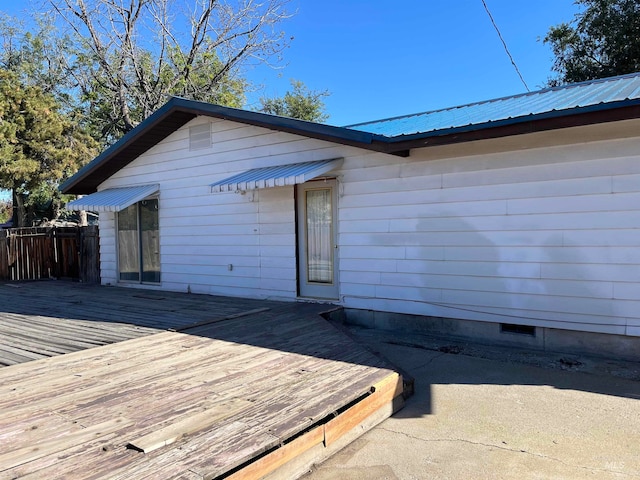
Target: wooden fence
50, 252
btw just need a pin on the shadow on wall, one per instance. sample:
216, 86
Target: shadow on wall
460, 269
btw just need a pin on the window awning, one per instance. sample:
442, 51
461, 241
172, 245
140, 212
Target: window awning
113, 199
278, 176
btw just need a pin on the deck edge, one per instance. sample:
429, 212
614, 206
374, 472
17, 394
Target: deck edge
297, 457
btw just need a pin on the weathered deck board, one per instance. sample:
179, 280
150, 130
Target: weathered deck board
273, 371
40, 319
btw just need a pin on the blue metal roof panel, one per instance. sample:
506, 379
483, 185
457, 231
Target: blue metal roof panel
277, 176
557, 99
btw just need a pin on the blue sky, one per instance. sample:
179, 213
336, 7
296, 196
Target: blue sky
381, 58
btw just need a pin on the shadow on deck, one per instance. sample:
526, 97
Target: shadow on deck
191, 386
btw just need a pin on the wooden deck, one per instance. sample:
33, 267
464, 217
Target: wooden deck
47, 318
252, 386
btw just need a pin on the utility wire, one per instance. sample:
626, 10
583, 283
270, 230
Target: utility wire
504, 44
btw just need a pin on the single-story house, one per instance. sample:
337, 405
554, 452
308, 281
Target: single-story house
514, 218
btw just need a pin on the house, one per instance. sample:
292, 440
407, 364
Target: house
515, 219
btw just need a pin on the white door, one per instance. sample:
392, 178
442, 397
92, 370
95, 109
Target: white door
317, 234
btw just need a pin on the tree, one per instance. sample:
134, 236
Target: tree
130, 55
603, 40
39, 58
39, 145
6, 209
300, 103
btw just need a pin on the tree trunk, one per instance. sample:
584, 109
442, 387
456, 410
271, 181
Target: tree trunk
19, 210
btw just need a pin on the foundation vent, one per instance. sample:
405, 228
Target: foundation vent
527, 330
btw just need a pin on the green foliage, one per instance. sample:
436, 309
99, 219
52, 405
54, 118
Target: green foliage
603, 40
63, 94
6, 211
39, 146
38, 58
300, 103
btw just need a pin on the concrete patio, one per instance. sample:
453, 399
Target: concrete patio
483, 412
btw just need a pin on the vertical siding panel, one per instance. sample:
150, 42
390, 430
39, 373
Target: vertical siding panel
277, 242
108, 252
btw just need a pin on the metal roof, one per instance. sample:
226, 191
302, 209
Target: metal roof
587, 103
558, 99
277, 176
113, 199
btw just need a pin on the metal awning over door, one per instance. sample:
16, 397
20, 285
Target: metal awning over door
278, 176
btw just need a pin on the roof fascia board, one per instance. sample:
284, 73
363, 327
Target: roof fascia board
145, 127
274, 122
330, 133
399, 145
555, 120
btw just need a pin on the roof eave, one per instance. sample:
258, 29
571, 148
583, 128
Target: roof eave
74, 185
273, 122
142, 138
553, 120
178, 111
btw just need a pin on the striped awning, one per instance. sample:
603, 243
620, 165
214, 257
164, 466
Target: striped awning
278, 176
113, 199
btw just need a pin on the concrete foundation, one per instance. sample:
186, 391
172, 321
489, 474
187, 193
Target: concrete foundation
489, 333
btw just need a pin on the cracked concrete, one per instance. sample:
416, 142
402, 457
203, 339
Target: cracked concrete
487, 416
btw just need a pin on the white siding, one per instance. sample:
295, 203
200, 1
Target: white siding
548, 236
220, 243
108, 252
544, 236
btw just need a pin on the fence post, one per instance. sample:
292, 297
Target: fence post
89, 254
4, 255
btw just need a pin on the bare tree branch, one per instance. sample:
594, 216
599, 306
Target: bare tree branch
141, 51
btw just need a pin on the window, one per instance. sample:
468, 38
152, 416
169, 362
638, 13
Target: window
139, 243
319, 235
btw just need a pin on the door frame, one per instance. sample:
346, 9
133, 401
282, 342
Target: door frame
141, 247
311, 289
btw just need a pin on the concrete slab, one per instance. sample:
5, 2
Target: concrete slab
494, 418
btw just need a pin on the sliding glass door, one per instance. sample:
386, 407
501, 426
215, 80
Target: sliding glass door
139, 243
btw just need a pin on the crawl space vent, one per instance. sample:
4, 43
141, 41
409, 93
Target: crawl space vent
518, 329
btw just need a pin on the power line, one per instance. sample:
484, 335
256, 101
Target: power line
504, 44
